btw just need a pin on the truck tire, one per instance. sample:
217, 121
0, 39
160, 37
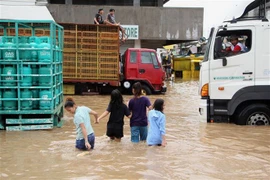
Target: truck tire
146, 90
255, 114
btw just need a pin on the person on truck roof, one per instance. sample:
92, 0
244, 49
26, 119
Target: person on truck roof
98, 18
111, 21
236, 45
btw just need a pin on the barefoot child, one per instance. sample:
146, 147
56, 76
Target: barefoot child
85, 138
157, 121
117, 110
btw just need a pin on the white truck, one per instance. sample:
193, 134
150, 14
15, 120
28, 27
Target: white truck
235, 86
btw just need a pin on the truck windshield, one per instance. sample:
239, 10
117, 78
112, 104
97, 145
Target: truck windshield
155, 61
206, 55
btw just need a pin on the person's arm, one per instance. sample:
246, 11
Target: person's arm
163, 131
95, 115
127, 112
103, 116
148, 104
109, 22
95, 19
237, 48
164, 142
169, 63
87, 145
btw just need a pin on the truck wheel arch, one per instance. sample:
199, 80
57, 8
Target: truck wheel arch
143, 83
248, 95
253, 114
146, 89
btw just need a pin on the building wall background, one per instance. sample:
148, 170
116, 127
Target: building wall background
155, 23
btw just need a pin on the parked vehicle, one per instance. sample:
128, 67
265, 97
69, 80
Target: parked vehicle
235, 87
92, 62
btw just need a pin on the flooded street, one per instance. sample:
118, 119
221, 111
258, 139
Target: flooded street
195, 150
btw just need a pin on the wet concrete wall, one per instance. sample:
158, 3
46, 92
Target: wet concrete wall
156, 23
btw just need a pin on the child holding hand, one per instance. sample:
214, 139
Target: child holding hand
117, 110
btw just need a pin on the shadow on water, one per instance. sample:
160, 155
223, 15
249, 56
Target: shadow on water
195, 150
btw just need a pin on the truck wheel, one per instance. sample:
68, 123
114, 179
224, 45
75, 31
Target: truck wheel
146, 90
255, 114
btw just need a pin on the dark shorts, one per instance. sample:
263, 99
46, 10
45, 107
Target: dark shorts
138, 133
115, 131
80, 144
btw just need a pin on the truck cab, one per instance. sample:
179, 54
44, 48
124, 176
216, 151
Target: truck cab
235, 85
142, 65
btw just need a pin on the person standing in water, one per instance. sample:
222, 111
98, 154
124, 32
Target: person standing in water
138, 106
85, 138
157, 122
117, 110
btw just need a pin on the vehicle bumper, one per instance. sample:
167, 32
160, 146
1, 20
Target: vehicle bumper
203, 110
164, 88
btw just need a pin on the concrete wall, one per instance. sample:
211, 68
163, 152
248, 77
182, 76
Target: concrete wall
155, 23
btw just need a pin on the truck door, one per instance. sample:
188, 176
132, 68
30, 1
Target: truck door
149, 68
131, 64
230, 72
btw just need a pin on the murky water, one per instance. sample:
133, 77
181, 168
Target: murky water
195, 150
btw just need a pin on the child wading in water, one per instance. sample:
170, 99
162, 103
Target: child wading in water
157, 122
85, 138
138, 121
116, 121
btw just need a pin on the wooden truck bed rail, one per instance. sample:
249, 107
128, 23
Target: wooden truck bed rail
91, 53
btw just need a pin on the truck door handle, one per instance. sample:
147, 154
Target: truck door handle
245, 73
141, 71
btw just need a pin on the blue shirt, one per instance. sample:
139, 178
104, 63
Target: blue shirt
82, 116
157, 122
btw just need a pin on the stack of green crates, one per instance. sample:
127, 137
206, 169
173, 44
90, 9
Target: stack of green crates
31, 82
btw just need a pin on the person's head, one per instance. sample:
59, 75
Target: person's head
112, 11
137, 89
116, 97
70, 105
159, 105
100, 11
234, 39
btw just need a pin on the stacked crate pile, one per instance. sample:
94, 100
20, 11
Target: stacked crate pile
91, 53
31, 82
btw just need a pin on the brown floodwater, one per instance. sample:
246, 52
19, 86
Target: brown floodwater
195, 150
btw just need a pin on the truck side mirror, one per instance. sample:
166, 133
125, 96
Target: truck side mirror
224, 61
218, 47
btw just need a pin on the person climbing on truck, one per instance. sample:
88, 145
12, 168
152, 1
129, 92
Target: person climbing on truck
111, 21
98, 17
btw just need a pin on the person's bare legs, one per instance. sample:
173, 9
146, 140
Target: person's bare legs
123, 33
118, 139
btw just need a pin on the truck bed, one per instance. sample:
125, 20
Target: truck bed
91, 53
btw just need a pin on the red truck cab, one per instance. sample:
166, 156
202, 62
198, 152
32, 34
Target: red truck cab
141, 65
